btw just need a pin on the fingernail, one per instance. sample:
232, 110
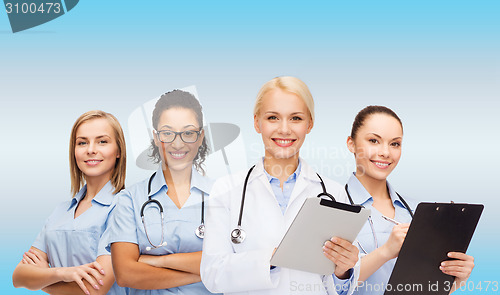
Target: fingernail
449, 254
96, 287
334, 240
101, 282
443, 264
87, 292
324, 248
102, 271
325, 243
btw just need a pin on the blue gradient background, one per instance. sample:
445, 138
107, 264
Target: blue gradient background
436, 63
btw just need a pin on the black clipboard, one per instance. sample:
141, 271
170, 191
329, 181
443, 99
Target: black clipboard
436, 229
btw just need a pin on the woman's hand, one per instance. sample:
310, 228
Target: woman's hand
343, 254
393, 245
31, 257
92, 272
460, 267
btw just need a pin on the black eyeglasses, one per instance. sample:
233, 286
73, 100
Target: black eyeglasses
188, 136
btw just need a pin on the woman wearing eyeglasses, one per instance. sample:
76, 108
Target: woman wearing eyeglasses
155, 232
376, 139
69, 255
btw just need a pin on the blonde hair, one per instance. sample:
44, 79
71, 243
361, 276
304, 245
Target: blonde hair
288, 84
118, 176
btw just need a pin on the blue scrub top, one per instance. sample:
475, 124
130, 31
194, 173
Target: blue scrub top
179, 224
70, 241
377, 282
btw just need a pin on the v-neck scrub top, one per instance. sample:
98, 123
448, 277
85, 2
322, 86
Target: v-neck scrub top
179, 224
377, 282
70, 241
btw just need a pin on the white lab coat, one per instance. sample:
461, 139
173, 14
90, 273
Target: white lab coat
244, 268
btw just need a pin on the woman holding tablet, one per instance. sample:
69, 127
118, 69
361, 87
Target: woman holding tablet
69, 255
156, 231
242, 235
376, 140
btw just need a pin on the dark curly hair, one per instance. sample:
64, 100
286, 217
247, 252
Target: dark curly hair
179, 99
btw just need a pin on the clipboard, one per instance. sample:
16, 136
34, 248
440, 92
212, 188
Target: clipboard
317, 221
436, 229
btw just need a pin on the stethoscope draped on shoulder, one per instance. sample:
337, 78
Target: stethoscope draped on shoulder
199, 232
370, 221
238, 235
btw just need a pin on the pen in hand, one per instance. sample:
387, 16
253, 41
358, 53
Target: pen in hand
391, 220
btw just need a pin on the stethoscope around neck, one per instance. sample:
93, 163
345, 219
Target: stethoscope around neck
238, 235
370, 221
199, 231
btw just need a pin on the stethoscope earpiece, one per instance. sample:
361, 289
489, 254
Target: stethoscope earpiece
164, 244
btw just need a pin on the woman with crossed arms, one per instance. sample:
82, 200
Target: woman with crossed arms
69, 255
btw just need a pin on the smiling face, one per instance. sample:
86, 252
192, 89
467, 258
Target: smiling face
377, 146
283, 120
178, 155
96, 149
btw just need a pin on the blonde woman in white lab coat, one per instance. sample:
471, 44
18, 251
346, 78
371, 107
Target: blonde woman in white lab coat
276, 189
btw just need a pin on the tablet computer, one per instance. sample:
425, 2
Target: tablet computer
317, 221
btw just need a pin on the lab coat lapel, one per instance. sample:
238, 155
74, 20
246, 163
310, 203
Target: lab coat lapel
306, 177
298, 189
260, 175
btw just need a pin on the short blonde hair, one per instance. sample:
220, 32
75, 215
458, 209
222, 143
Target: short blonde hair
288, 84
118, 176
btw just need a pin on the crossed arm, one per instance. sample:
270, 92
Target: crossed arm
34, 273
153, 272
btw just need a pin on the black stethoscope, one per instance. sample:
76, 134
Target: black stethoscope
370, 221
238, 235
199, 232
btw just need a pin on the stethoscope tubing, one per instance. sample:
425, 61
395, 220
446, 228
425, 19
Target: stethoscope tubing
199, 232
238, 235
370, 221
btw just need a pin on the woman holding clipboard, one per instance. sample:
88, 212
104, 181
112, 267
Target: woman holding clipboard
250, 211
376, 139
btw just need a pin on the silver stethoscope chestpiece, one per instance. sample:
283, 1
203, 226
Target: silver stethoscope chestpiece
238, 235
200, 231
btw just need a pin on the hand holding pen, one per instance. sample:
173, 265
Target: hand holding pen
393, 245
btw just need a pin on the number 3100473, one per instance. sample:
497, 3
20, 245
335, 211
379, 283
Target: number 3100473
33, 8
